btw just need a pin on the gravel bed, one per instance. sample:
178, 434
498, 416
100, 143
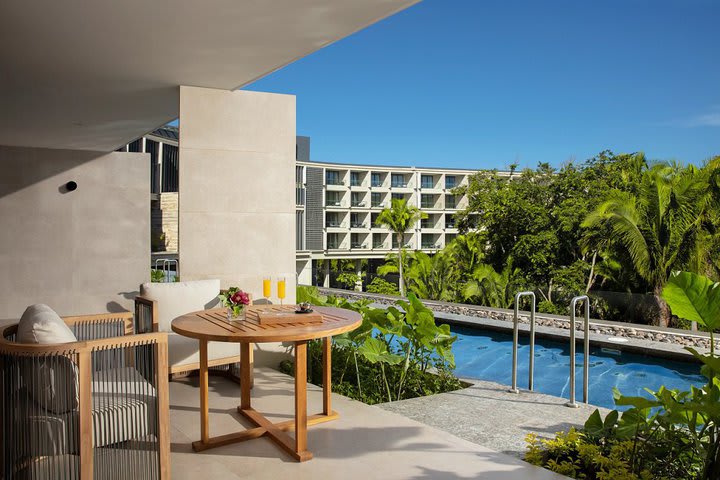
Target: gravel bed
631, 330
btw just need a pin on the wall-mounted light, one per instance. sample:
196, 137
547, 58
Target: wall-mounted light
70, 186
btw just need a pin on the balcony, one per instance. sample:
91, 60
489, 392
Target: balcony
357, 225
357, 245
379, 245
357, 204
378, 205
333, 224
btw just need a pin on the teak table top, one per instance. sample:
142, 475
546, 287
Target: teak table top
213, 325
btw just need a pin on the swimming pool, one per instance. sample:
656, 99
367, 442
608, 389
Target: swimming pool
487, 355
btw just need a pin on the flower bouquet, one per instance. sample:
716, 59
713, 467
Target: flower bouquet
235, 301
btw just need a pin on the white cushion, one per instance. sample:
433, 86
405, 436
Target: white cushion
185, 350
179, 298
40, 324
51, 380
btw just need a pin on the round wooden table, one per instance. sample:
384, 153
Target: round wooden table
285, 326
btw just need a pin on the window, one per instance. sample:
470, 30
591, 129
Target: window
300, 230
355, 241
376, 200
426, 181
332, 220
356, 199
398, 196
376, 180
355, 220
449, 221
427, 201
332, 199
373, 219
354, 179
377, 241
299, 185
397, 180
428, 241
333, 241
450, 201
449, 181
332, 177
428, 222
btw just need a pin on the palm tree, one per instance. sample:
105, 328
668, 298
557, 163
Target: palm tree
400, 218
659, 226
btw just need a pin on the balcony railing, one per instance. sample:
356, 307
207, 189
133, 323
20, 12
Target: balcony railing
449, 224
378, 204
333, 224
378, 245
427, 204
357, 225
357, 245
376, 183
333, 246
357, 204
398, 184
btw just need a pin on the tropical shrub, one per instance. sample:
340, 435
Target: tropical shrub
396, 353
671, 435
382, 286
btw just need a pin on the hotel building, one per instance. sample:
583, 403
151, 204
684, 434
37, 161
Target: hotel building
336, 206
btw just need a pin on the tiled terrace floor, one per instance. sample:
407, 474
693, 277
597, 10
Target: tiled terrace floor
365, 443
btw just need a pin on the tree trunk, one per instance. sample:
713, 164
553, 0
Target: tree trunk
591, 278
662, 307
401, 282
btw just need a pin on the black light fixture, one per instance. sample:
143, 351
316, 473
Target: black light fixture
71, 186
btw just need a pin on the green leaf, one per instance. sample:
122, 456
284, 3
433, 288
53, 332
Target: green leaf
375, 351
694, 297
594, 424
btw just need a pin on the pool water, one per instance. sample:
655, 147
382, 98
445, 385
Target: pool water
487, 355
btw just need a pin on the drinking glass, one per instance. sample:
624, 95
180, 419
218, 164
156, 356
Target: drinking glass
281, 289
267, 288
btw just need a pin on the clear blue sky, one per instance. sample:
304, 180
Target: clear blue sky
482, 84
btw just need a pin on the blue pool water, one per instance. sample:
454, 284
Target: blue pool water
487, 355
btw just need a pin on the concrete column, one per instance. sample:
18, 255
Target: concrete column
326, 278
237, 187
304, 269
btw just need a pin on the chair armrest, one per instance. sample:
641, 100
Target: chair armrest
103, 325
146, 315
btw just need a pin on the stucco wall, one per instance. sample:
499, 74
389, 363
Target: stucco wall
237, 187
80, 252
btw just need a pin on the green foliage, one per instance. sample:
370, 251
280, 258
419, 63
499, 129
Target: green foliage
396, 353
157, 275
350, 279
382, 286
672, 435
695, 298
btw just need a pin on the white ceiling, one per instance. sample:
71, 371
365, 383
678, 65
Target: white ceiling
95, 74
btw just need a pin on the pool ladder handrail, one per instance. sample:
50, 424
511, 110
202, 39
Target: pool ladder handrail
516, 320
164, 264
586, 350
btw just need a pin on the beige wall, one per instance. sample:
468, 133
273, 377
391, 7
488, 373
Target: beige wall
237, 187
80, 252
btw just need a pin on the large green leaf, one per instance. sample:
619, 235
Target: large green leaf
694, 297
375, 351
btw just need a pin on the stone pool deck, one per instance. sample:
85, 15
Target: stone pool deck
487, 414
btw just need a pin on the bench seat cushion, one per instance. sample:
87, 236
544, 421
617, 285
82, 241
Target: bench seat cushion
186, 351
179, 298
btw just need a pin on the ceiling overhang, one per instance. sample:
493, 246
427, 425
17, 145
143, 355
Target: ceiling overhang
95, 74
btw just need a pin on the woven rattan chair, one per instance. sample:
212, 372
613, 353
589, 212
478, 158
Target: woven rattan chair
95, 408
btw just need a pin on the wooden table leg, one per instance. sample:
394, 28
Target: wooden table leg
246, 369
300, 396
204, 407
327, 375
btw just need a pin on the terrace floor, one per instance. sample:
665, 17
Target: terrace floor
367, 442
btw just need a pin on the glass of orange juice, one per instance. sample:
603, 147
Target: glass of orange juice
281, 289
267, 288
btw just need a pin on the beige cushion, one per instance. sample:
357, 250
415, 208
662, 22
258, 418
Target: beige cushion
40, 324
179, 298
185, 351
51, 380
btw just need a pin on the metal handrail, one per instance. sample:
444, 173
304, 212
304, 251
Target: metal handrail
165, 267
586, 350
519, 295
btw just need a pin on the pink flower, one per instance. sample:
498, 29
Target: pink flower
240, 298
